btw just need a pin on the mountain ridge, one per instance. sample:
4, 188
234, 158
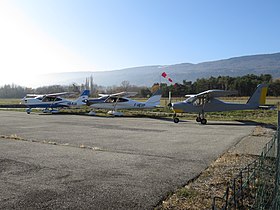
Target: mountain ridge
147, 75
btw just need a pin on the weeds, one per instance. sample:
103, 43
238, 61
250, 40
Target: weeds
187, 192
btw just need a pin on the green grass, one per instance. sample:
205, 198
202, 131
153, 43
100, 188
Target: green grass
9, 101
187, 192
260, 116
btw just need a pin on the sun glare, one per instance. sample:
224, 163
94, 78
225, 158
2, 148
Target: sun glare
26, 51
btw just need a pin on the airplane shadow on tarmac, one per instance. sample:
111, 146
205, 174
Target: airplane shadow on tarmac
242, 123
169, 119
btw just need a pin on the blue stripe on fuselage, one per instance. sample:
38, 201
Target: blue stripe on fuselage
53, 105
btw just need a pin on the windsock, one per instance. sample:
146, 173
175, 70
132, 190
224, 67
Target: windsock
165, 76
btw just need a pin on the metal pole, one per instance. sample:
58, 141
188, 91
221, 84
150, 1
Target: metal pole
277, 184
278, 160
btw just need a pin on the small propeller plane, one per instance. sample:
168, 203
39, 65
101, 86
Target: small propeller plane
53, 101
114, 102
207, 102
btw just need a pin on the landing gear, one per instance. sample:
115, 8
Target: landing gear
92, 113
115, 113
47, 111
175, 118
203, 121
200, 118
28, 111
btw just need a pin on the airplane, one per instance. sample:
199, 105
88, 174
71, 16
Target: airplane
207, 102
114, 102
51, 101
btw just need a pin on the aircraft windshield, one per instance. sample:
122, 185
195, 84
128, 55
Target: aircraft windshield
30, 96
49, 99
116, 99
39, 97
197, 101
190, 100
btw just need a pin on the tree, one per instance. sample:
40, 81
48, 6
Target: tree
145, 92
125, 85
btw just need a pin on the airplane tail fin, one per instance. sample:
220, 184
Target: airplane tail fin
85, 93
155, 98
259, 96
82, 98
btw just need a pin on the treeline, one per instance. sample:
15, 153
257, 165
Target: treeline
13, 91
245, 85
16, 91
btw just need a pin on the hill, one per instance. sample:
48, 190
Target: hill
147, 75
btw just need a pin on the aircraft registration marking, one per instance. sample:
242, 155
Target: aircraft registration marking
139, 105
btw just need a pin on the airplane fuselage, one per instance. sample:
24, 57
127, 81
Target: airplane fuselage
122, 104
37, 103
52, 101
214, 105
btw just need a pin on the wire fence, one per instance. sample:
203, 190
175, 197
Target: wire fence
257, 186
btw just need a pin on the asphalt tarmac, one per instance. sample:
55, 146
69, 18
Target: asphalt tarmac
85, 162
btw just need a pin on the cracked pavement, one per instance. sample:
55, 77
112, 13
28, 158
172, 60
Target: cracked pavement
84, 162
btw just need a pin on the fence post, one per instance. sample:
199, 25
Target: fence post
277, 174
278, 160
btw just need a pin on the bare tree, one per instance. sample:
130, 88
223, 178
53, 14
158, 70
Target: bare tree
125, 85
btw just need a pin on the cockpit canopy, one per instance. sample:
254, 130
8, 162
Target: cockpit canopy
197, 101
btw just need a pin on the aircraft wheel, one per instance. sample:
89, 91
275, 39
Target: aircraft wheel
198, 119
203, 121
28, 112
176, 120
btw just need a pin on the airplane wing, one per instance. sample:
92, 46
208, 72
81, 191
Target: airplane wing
129, 94
103, 95
214, 94
120, 94
33, 95
57, 94
190, 95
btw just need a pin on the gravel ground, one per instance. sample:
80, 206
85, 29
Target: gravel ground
198, 193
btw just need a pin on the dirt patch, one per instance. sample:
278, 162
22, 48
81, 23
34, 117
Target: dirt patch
199, 193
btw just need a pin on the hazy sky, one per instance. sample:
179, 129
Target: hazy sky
42, 36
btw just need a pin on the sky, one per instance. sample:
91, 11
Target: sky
49, 36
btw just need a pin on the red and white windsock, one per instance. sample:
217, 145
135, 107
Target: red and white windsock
164, 75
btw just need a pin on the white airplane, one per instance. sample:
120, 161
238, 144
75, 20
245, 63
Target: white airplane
52, 101
118, 101
207, 102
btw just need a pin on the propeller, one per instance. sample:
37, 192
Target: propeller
86, 101
169, 100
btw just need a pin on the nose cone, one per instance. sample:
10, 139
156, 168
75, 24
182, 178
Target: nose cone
86, 102
23, 101
177, 107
